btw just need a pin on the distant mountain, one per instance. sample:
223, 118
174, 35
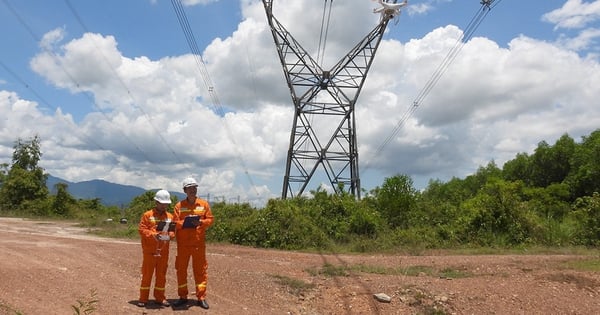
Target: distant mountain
110, 194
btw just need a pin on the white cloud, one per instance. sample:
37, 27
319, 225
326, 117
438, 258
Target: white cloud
154, 121
51, 38
574, 14
196, 2
586, 39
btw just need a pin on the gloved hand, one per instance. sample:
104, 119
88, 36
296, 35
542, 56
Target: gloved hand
164, 237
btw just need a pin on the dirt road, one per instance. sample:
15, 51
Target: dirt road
47, 267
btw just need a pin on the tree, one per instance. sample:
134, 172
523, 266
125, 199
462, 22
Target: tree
550, 203
585, 174
518, 169
62, 200
499, 216
439, 206
27, 154
552, 164
562, 153
25, 181
473, 183
587, 211
3, 172
144, 202
396, 200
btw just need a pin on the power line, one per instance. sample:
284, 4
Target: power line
323, 33
187, 31
75, 82
112, 69
486, 6
81, 136
42, 99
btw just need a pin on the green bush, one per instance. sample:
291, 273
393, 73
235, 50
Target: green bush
280, 225
230, 219
586, 210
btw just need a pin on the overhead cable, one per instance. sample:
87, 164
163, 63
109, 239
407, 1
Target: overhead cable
112, 69
73, 80
486, 6
323, 33
187, 31
43, 100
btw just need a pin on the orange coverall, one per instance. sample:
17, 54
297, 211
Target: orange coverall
151, 247
191, 243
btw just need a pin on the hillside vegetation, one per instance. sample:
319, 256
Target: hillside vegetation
549, 198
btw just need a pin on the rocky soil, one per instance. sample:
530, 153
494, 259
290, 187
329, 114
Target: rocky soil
56, 268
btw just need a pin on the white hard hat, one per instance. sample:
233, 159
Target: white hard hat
163, 196
189, 182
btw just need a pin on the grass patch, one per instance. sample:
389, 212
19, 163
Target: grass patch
330, 270
86, 306
584, 265
519, 250
417, 270
378, 270
406, 271
414, 271
294, 286
451, 273
6, 309
462, 250
113, 230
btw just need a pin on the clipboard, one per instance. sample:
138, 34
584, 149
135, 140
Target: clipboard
161, 225
188, 222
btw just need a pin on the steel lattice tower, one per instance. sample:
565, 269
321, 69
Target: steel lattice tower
323, 132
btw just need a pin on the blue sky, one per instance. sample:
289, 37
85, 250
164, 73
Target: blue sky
113, 92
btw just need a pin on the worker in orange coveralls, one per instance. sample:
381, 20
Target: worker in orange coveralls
190, 236
156, 230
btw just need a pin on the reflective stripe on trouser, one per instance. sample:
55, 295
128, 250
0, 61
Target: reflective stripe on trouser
199, 268
150, 264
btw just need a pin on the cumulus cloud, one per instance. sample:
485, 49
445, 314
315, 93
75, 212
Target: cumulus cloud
574, 14
153, 121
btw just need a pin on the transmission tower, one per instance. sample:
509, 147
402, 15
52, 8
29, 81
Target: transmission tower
323, 134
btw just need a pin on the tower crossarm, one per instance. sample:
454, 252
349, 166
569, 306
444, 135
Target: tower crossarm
349, 74
301, 70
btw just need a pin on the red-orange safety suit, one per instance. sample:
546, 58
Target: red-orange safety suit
191, 243
151, 249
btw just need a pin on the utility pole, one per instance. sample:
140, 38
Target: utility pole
323, 134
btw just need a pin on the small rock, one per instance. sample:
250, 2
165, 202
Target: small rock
382, 297
441, 298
